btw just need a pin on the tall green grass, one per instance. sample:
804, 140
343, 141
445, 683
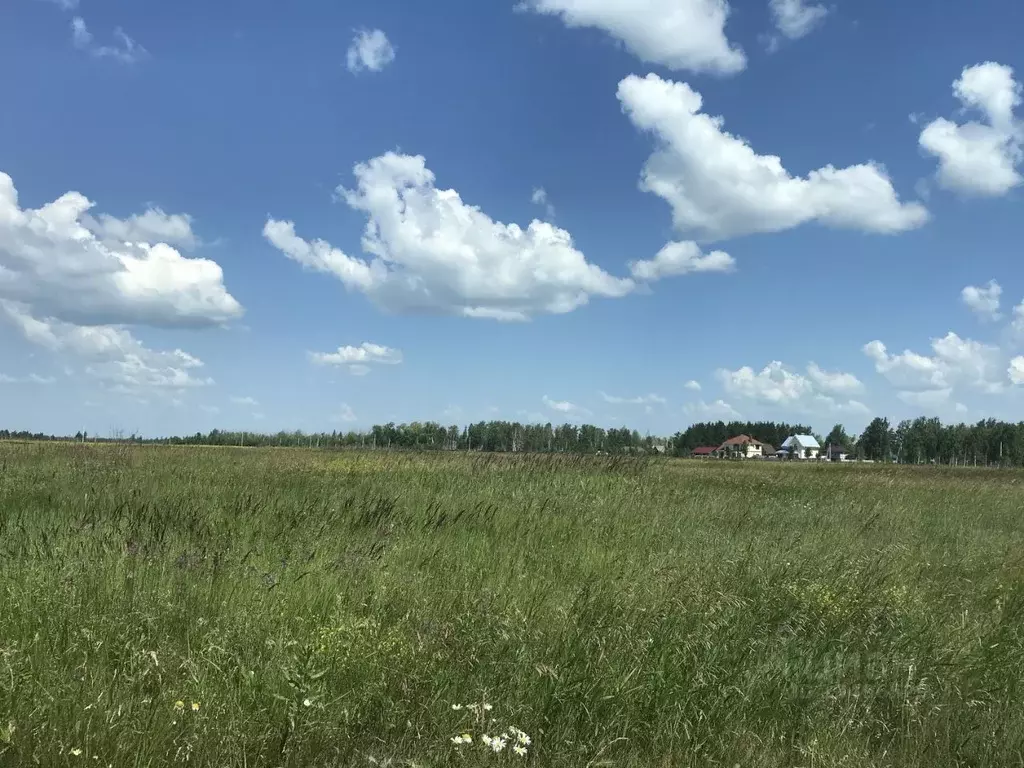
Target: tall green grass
329, 609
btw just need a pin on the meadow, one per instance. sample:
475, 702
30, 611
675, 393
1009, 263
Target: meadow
271, 607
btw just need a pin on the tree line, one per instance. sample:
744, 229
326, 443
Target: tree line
498, 436
918, 441
929, 441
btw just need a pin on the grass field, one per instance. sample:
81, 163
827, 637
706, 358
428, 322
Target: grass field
239, 607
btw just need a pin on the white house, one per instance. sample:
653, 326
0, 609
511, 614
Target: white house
801, 447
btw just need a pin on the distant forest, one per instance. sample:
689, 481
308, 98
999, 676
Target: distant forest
920, 441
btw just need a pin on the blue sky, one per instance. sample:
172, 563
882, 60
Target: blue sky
322, 215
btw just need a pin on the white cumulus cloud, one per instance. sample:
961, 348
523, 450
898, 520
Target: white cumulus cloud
370, 50
693, 386
51, 261
718, 187
433, 253
678, 34
980, 158
110, 354
796, 18
777, 384
834, 382
773, 384
681, 258
1017, 370
983, 300
245, 401
358, 359
955, 362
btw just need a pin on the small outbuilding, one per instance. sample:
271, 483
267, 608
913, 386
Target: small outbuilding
837, 453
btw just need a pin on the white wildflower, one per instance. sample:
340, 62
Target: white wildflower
520, 750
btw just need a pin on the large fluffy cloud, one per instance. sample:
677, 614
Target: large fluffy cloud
776, 384
52, 260
432, 252
980, 158
719, 187
954, 362
678, 34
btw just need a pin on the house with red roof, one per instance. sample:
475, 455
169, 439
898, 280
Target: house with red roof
741, 447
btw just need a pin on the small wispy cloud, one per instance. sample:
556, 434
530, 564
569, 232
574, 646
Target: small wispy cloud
540, 197
64, 5
639, 400
370, 50
345, 414
563, 406
796, 18
719, 409
32, 378
250, 402
126, 51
